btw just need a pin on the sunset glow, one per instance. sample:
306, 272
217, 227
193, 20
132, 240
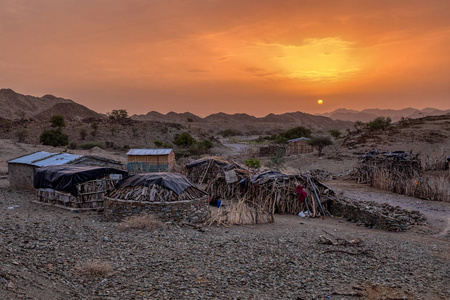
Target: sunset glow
257, 57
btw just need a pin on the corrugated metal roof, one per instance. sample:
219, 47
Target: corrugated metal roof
30, 158
60, 159
299, 139
149, 151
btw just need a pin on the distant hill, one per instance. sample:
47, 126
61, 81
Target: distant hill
245, 121
17, 106
370, 114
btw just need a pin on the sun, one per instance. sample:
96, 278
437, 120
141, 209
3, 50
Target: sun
320, 101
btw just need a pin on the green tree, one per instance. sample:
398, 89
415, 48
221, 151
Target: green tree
320, 142
54, 138
335, 133
358, 125
184, 140
117, 114
380, 123
94, 127
158, 144
57, 121
296, 132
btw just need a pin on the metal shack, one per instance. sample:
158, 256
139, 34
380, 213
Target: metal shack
21, 169
299, 146
150, 160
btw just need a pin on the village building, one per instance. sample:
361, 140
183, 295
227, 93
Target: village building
21, 170
299, 146
150, 160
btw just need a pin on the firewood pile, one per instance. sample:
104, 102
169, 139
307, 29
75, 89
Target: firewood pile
90, 195
402, 173
154, 193
205, 169
377, 215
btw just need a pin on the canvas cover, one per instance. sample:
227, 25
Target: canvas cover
65, 178
173, 181
202, 161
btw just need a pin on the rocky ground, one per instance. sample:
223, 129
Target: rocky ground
43, 252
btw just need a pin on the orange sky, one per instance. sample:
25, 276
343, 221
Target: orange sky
256, 57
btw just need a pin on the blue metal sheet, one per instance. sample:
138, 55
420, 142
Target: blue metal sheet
30, 158
60, 159
149, 151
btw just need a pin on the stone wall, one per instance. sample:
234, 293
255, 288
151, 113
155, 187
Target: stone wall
376, 215
190, 211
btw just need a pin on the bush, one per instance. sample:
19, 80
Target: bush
54, 138
93, 268
58, 121
276, 161
72, 145
296, 132
141, 222
90, 145
201, 147
83, 133
320, 142
380, 123
335, 133
184, 140
253, 163
190, 120
230, 132
109, 144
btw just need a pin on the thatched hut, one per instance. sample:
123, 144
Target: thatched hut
169, 196
75, 188
150, 160
205, 169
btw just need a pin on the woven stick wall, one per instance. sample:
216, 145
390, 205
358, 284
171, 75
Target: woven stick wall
154, 193
90, 195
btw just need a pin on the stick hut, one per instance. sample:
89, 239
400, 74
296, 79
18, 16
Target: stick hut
205, 169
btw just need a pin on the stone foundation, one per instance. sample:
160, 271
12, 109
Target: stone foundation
190, 211
376, 215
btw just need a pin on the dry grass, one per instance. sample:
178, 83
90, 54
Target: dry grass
141, 222
93, 268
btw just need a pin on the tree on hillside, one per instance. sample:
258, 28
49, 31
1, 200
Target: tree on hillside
54, 138
335, 133
320, 142
57, 121
296, 132
117, 114
380, 123
184, 140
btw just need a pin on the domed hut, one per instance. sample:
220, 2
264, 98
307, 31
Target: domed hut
205, 169
169, 196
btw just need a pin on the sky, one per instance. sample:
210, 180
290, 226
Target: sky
234, 56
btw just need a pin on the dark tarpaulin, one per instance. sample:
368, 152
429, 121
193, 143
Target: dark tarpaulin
173, 181
202, 161
269, 175
65, 178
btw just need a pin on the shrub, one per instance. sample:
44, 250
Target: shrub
72, 145
21, 135
93, 268
358, 125
296, 132
94, 127
58, 121
109, 144
276, 161
335, 133
126, 147
83, 133
253, 163
184, 140
90, 145
190, 120
54, 138
380, 123
230, 132
141, 222
320, 142
158, 144
6, 124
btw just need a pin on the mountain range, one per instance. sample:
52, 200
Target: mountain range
17, 106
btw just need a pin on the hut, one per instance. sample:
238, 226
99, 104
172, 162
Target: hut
272, 150
299, 146
75, 188
150, 160
21, 169
205, 169
169, 196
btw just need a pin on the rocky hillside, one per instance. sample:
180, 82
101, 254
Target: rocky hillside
367, 115
16, 106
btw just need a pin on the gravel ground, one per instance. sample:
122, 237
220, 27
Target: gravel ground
40, 248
